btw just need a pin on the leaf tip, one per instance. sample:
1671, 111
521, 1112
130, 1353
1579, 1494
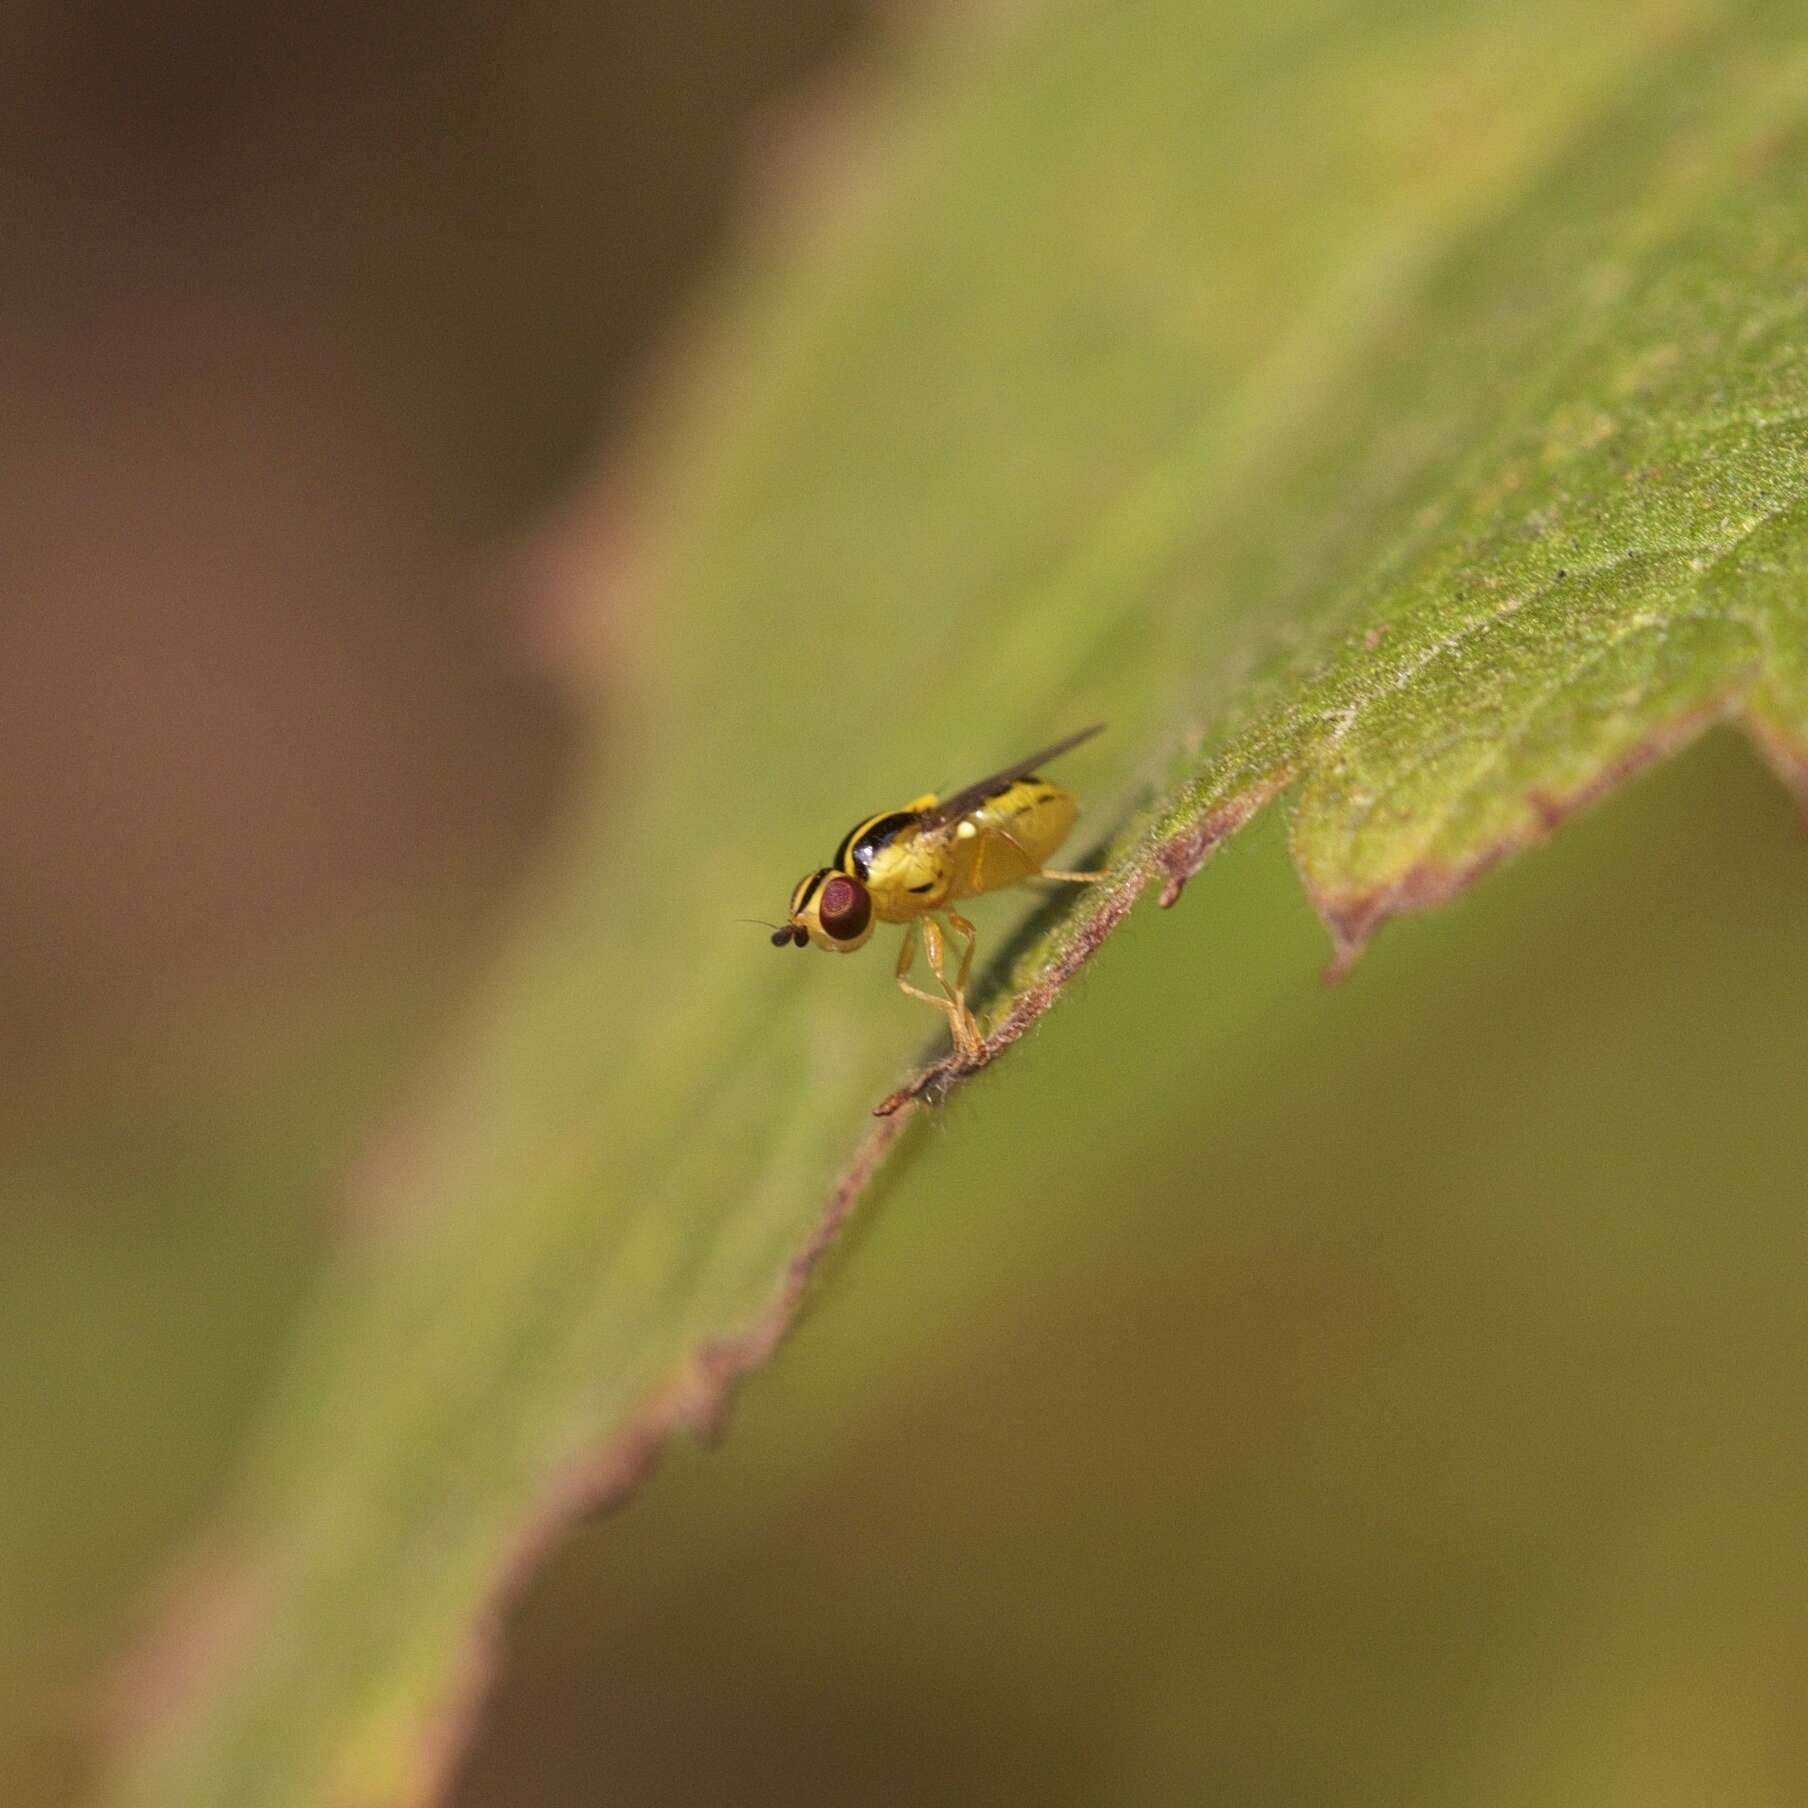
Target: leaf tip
1351, 933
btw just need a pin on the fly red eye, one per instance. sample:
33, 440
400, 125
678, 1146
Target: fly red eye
844, 908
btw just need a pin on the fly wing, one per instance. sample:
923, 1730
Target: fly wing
964, 801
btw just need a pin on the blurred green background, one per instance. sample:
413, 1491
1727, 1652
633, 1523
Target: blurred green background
1249, 1393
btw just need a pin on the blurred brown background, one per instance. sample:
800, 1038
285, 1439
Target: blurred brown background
316, 326
307, 314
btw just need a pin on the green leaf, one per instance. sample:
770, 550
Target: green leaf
1364, 400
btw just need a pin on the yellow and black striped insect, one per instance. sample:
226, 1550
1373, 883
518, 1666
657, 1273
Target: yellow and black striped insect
907, 866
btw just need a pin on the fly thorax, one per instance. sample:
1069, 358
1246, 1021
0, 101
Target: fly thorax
907, 876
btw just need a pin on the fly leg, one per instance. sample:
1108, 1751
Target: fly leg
968, 1043
960, 926
960, 1023
1046, 872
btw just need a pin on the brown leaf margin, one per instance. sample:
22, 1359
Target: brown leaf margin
1353, 919
698, 1397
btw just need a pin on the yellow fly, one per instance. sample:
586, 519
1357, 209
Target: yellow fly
907, 866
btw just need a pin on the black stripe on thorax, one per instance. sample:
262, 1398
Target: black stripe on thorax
839, 862
864, 840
